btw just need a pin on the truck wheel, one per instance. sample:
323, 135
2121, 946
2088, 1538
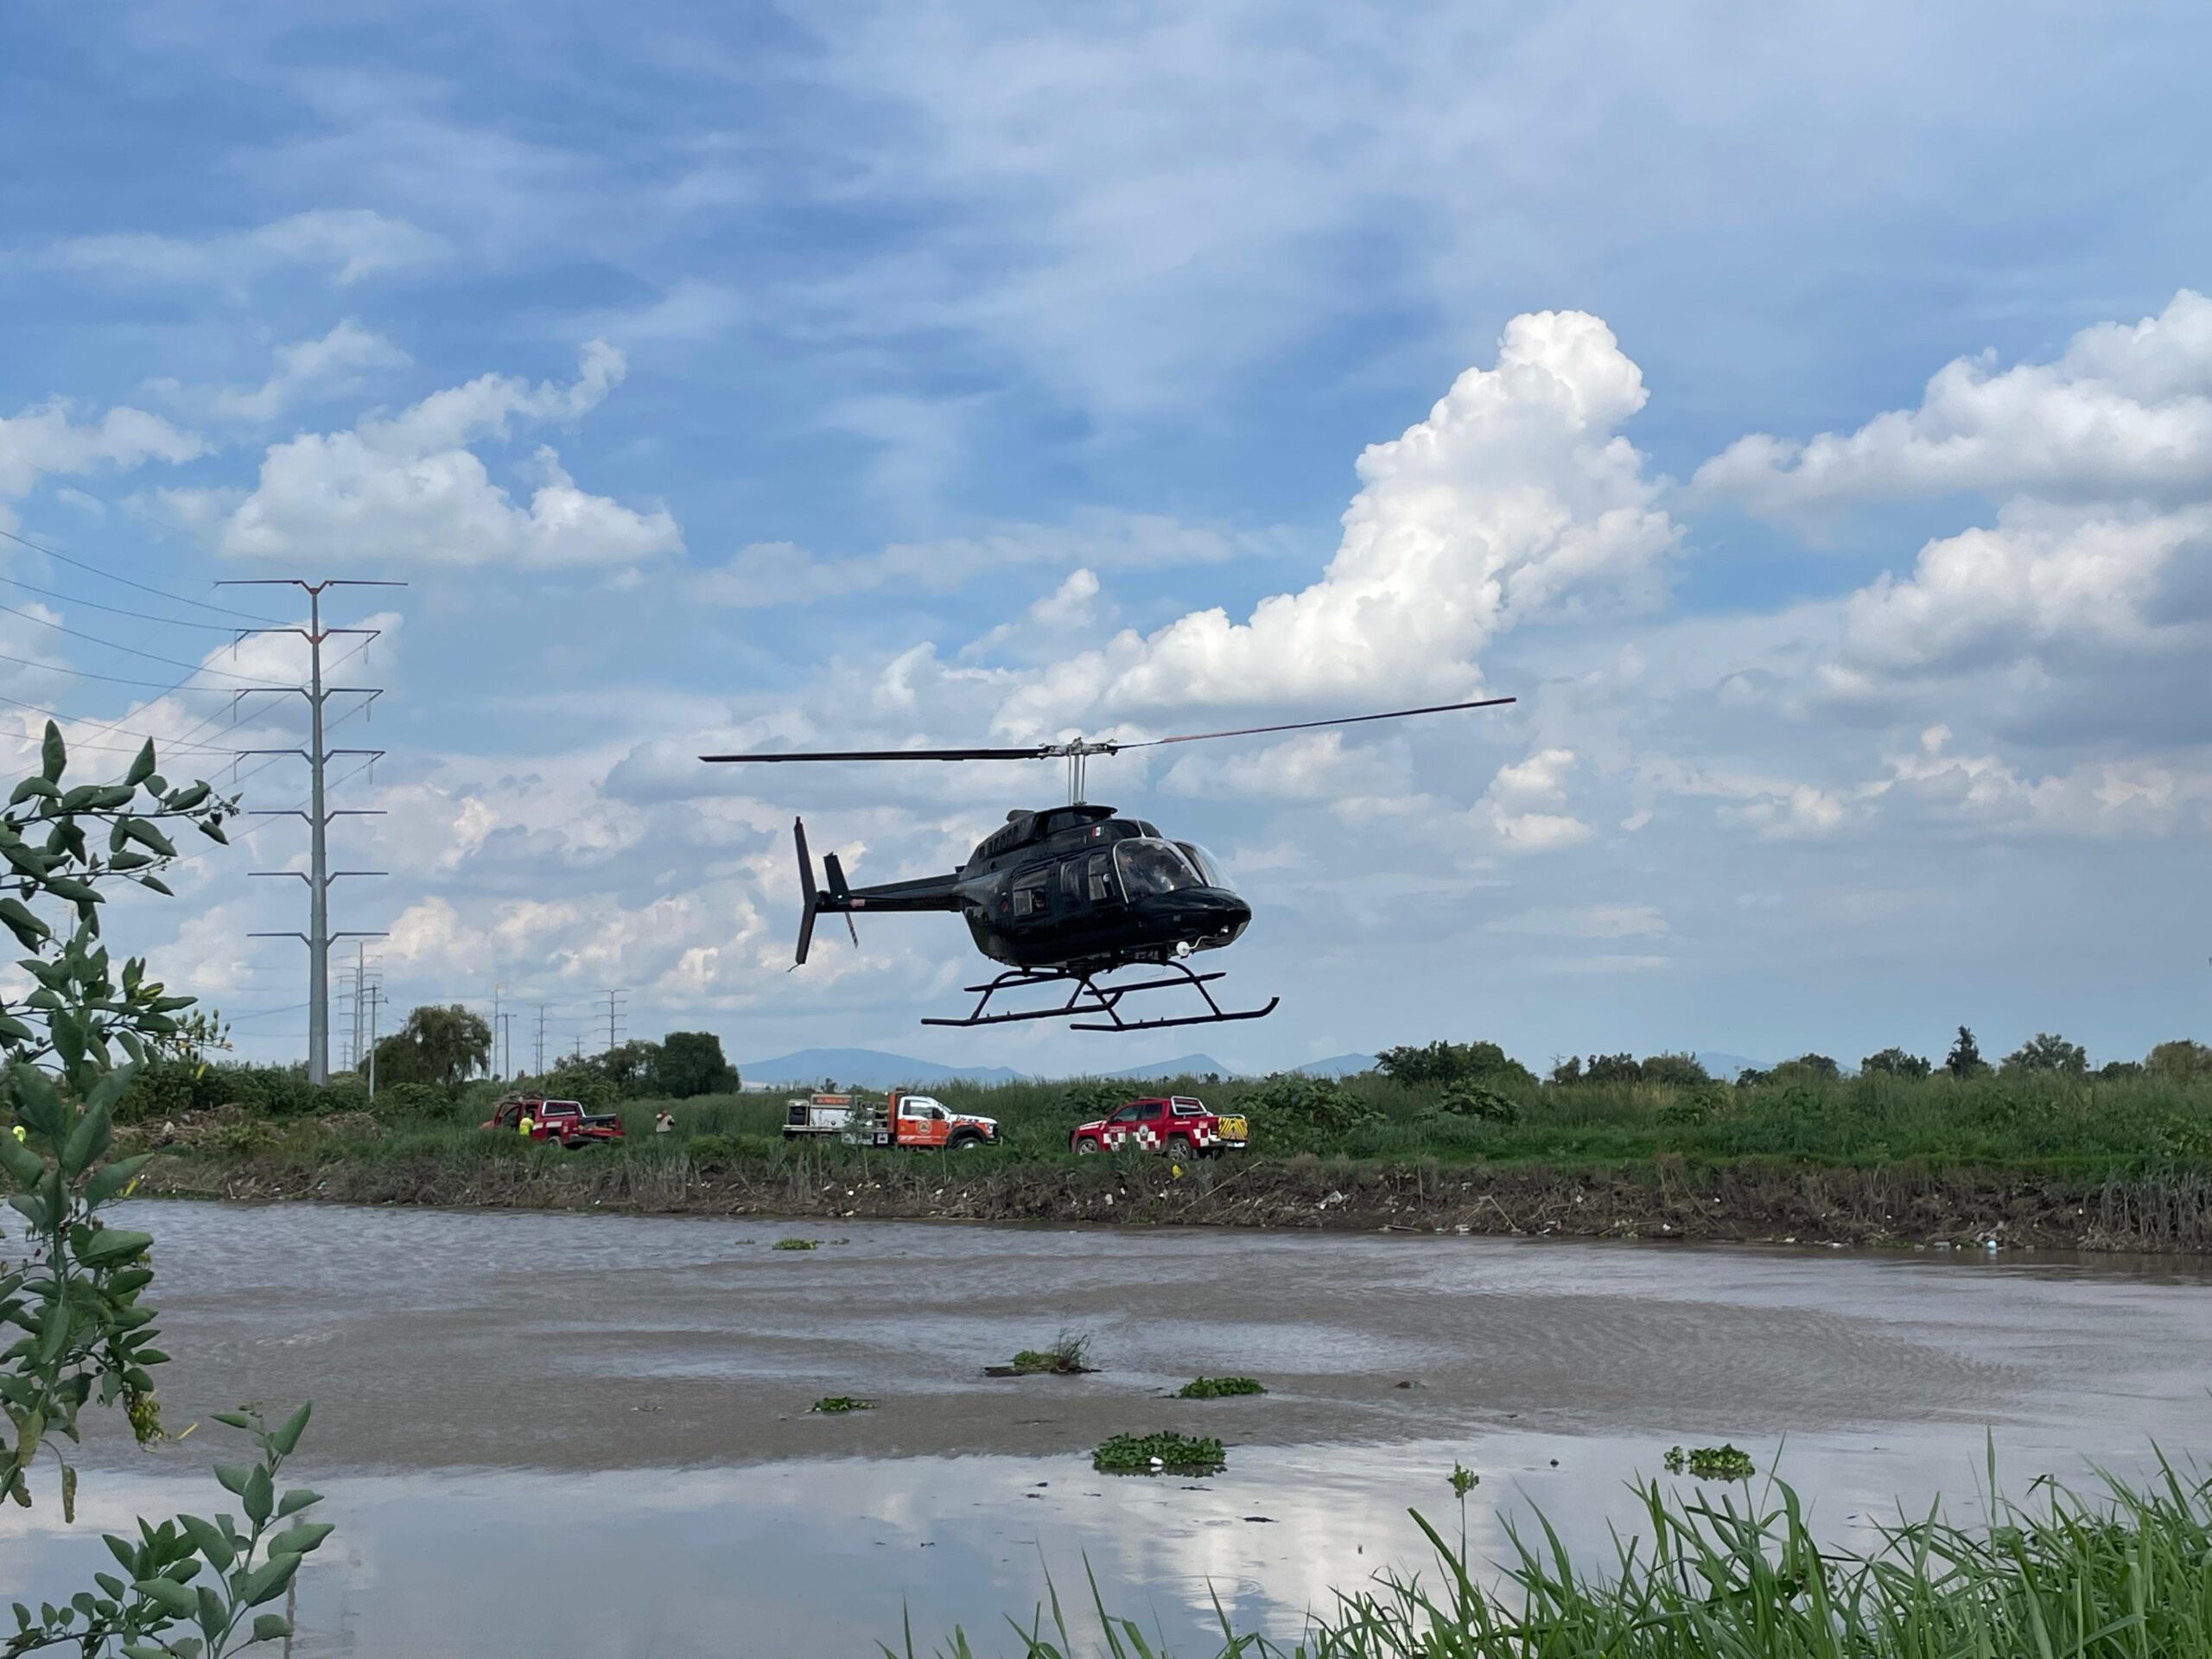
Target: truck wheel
1181, 1146
965, 1142
1081, 1146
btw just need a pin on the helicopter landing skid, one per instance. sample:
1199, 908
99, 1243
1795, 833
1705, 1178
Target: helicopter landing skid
1102, 1000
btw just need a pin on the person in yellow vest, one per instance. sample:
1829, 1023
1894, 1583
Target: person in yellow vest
528, 1124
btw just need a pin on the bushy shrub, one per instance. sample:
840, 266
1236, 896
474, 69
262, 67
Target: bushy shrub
1477, 1100
415, 1100
159, 1092
1293, 1111
1086, 1098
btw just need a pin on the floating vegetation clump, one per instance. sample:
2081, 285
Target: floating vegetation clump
797, 1244
831, 1405
1216, 1387
1069, 1355
1711, 1462
1159, 1454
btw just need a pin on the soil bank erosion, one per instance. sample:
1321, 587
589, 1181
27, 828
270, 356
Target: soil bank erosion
1747, 1202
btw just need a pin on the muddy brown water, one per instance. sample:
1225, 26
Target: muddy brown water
587, 1435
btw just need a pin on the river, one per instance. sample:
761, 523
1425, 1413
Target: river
587, 1435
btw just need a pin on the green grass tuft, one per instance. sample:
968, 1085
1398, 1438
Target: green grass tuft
831, 1405
797, 1244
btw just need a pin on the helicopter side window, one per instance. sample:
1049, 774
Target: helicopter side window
1101, 879
1071, 881
1152, 867
1029, 895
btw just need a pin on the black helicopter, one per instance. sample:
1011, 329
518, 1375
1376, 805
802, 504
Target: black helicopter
1068, 894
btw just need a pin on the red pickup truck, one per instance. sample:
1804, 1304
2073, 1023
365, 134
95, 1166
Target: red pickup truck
563, 1122
1175, 1124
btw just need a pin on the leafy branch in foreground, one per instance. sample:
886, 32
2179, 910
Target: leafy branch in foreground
69, 1050
163, 1606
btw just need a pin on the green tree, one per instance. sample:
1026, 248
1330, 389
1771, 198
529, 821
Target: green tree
1567, 1071
629, 1066
1612, 1068
1441, 1062
1815, 1066
441, 1045
74, 1284
2183, 1060
1964, 1058
1895, 1063
2048, 1052
690, 1063
1681, 1070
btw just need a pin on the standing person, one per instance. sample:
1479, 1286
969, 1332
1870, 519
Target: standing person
528, 1123
664, 1122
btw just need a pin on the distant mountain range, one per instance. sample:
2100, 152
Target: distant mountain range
874, 1068
1725, 1066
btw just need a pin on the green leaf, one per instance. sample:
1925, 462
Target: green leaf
267, 1582
169, 1595
142, 767
185, 799
37, 1101
146, 836
214, 1612
297, 1499
157, 885
210, 1540
113, 1244
31, 786
287, 1437
21, 1162
85, 1142
258, 1497
300, 1540
268, 1627
25, 922
53, 754
209, 828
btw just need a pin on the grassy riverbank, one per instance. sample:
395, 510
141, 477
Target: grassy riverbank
1739, 1573
2039, 1158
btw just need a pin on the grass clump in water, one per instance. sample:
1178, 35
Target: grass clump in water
797, 1244
1216, 1387
831, 1405
1711, 1462
1164, 1453
2121, 1577
1464, 1479
1069, 1355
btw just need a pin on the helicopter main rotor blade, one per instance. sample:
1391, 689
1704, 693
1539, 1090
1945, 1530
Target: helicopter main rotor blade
1308, 725
1033, 752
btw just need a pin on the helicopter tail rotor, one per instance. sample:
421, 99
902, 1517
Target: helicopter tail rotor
809, 898
834, 873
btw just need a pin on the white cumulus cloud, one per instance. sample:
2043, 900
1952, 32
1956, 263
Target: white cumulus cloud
411, 487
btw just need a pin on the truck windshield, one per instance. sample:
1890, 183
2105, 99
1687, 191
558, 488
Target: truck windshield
1151, 866
1208, 866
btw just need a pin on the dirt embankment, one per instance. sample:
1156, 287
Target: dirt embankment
2152, 1213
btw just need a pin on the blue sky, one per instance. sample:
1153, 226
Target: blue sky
1824, 458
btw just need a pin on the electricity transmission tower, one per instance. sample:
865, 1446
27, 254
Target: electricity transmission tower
318, 874
355, 984
614, 1007
539, 1069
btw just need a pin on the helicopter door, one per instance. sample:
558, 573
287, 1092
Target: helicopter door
1071, 885
1098, 877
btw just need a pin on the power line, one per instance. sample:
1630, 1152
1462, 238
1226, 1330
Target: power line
117, 610
143, 588
133, 650
111, 679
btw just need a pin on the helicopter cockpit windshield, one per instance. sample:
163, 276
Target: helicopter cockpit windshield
1150, 867
1208, 866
